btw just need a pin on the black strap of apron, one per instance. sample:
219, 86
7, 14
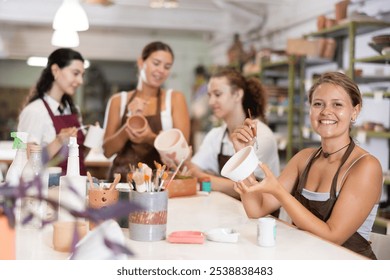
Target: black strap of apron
223, 136
333, 190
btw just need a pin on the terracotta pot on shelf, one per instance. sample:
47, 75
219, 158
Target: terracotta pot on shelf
321, 22
330, 22
7, 240
341, 10
330, 48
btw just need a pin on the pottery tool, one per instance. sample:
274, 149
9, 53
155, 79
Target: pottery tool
91, 185
130, 180
253, 130
174, 174
117, 178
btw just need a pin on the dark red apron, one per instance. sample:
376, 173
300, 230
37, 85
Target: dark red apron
323, 209
65, 121
132, 153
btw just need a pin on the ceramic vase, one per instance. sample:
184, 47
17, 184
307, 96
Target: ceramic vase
7, 240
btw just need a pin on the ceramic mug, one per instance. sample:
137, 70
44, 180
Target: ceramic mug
63, 234
266, 232
172, 146
94, 138
137, 123
241, 165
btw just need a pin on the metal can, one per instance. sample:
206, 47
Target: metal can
205, 184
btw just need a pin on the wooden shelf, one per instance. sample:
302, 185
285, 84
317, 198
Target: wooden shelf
369, 79
372, 94
374, 134
380, 59
342, 30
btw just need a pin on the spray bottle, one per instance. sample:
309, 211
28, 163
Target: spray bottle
33, 170
15, 170
72, 191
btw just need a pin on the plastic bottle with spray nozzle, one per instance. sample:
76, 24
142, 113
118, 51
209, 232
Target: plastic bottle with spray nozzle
15, 170
72, 191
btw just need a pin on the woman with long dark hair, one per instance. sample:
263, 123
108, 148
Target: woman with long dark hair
50, 116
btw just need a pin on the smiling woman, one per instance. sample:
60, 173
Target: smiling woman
50, 116
234, 99
332, 191
163, 109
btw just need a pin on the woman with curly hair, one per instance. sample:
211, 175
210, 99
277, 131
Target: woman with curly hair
234, 98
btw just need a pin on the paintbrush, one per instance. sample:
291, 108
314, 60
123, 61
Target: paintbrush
174, 174
253, 130
130, 180
163, 178
91, 185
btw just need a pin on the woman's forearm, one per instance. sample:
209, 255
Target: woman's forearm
54, 147
115, 143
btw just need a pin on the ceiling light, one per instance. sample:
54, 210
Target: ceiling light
164, 3
37, 61
42, 61
65, 38
71, 16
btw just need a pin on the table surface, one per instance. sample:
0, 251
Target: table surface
202, 213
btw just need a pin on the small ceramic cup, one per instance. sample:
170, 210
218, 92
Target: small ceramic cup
241, 165
63, 234
94, 138
266, 232
137, 123
172, 145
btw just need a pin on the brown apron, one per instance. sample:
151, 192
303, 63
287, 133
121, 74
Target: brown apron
222, 159
323, 209
65, 121
132, 153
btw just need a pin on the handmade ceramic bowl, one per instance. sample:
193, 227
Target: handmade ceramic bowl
172, 145
137, 122
222, 235
241, 165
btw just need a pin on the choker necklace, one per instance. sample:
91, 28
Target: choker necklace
326, 155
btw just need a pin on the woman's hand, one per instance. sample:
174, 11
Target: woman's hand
66, 133
244, 135
136, 106
269, 184
173, 163
144, 136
